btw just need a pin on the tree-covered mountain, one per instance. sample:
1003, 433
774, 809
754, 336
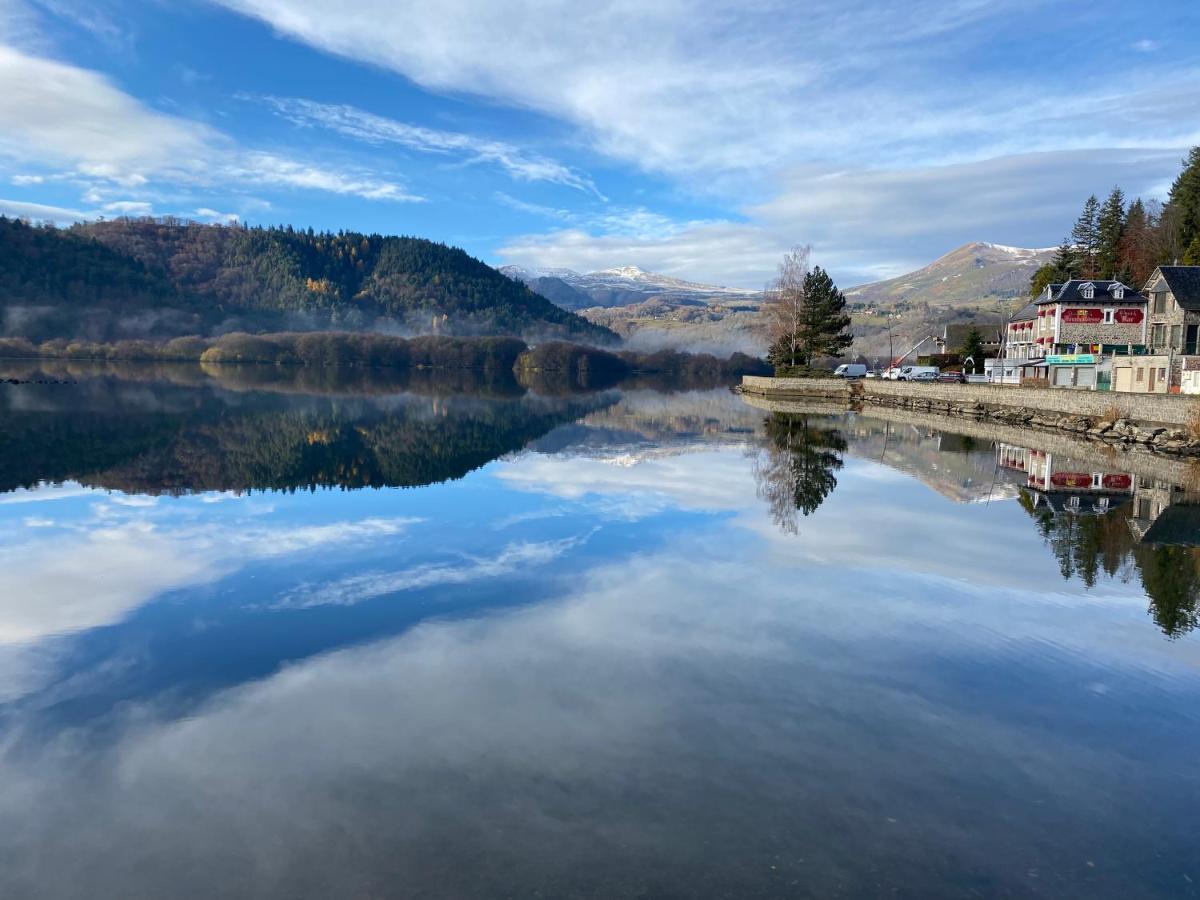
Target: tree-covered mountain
165, 277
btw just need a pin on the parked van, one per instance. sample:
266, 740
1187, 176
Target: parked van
918, 373
850, 370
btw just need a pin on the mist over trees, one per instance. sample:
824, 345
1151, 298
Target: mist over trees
140, 278
1116, 240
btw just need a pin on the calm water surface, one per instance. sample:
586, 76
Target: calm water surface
280, 636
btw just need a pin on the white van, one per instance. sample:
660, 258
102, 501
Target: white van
917, 373
850, 370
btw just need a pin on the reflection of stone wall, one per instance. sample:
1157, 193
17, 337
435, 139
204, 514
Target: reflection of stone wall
1103, 457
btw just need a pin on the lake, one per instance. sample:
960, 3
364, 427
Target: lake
297, 634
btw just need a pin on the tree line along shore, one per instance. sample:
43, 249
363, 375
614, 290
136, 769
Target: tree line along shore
584, 363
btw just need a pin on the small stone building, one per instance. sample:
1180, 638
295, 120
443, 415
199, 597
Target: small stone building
1086, 316
1174, 310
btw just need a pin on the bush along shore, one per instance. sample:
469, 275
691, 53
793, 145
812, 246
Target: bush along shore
573, 365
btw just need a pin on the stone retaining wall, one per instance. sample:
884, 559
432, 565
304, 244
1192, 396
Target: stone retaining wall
1155, 421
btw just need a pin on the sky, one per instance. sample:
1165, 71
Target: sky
697, 139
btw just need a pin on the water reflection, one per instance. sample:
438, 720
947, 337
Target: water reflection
609, 644
796, 465
156, 436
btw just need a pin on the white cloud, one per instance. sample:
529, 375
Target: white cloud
694, 87
214, 215
364, 126
708, 684
41, 212
76, 122
99, 576
358, 588
759, 101
129, 208
865, 224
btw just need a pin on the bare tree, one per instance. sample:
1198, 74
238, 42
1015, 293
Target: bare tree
783, 302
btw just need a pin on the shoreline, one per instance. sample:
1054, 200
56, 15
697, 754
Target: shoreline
1172, 426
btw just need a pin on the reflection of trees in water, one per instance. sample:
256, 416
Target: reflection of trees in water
1171, 576
1086, 545
794, 469
168, 439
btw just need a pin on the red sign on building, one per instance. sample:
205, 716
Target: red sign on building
1130, 316
1118, 482
1082, 316
1071, 479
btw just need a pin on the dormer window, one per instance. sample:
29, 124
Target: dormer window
1088, 291
1118, 291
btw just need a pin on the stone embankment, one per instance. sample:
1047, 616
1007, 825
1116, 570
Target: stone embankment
1163, 423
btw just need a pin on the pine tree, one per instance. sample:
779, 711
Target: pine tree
1136, 258
1192, 256
1066, 262
1110, 226
1086, 237
825, 324
1184, 201
973, 347
1045, 275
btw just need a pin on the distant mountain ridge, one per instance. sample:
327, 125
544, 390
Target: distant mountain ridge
619, 286
156, 278
978, 273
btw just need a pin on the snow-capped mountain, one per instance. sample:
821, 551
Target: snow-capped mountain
966, 277
618, 286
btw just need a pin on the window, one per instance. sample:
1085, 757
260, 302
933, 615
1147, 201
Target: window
1088, 291
1109, 316
1160, 301
1176, 337
1162, 374
1158, 335
1118, 291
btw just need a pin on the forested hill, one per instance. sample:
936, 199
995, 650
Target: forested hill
162, 278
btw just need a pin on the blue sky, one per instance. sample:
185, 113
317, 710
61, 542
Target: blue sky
697, 139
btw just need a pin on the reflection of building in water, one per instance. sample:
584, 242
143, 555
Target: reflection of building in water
1066, 485
1165, 514
958, 467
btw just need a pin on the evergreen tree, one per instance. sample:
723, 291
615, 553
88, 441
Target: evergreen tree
825, 324
1184, 202
1066, 263
1086, 237
1110, 226
1045, 275
1136, 258
1192, 256
973, 348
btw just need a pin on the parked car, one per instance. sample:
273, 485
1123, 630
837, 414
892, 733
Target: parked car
909, 373
952, 377
923, 376
850, 370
